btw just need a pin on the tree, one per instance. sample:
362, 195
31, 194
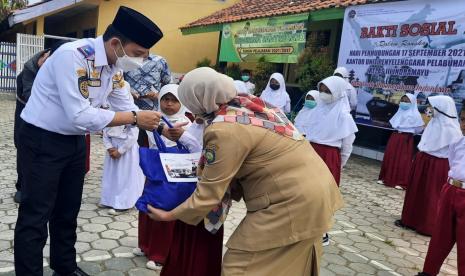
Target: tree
8, 6
313, 66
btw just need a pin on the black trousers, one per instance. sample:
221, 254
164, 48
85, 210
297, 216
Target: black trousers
18, 122
53, 177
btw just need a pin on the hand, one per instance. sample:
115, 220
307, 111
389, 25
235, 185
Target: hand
152, 95
116, 155
176, 131
159, 215
135, 95
199, 120
43, 58
148, 120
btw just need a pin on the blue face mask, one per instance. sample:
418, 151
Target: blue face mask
405, 106
310, 104
245, 78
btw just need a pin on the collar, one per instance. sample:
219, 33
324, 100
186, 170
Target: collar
100, 54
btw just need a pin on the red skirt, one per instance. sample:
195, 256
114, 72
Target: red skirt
87, 153
194, 252
397, 160
449, 229
155, 238
427, 178
332, 157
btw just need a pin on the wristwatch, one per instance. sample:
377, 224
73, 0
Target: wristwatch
135, 118
160, 128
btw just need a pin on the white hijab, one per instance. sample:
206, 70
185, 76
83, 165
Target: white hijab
410, 118
278, 98
302, 119
343, 71
241, 87
202, 90
331, 122
441, 131
179, 117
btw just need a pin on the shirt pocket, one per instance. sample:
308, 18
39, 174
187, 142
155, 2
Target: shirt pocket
257, 203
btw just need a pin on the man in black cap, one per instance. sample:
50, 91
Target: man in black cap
65, 103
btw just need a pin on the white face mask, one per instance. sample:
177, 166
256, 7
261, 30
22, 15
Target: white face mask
326, 98
127, 63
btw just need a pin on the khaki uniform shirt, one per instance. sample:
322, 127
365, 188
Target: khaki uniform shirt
288, 190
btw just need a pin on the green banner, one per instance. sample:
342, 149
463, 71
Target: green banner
278, 39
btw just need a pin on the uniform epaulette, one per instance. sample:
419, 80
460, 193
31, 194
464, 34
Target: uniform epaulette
87, 51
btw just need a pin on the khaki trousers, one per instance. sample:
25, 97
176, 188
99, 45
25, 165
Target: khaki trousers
301, 258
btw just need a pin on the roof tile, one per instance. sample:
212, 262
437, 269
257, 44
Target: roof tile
248, 9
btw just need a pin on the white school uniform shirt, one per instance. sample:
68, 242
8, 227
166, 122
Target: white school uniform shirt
330, 123
72, 85
192, 138
408, 121
457, 160
250, 87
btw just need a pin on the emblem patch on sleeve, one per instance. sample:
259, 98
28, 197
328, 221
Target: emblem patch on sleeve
210, 154
82, 83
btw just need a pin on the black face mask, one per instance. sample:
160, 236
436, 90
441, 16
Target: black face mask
274, 86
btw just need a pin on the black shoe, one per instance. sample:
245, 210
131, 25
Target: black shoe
17, 197
422, 274
77, 272
399, 223
326, 240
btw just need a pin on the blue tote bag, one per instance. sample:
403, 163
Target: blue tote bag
158, 191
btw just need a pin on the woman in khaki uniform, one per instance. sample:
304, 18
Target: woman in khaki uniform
252, 151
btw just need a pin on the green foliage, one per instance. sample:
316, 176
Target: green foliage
234, 71
262, 74
204, 63
8, 6
313, 66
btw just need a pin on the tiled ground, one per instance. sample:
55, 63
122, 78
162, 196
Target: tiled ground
364, 240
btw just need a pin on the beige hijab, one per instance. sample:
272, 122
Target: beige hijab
202, 90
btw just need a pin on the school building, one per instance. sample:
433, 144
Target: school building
89, 18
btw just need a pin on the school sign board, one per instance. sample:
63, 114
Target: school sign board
390, 49
277, 39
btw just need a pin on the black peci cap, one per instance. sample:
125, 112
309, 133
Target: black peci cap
137, 27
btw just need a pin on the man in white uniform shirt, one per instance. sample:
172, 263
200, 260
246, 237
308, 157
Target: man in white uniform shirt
67, 94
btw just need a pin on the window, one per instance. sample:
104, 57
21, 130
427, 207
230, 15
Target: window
72, 34
88, 33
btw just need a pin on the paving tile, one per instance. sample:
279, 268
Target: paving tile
365, 242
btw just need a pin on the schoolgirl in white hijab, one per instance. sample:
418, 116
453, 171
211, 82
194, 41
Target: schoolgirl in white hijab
275, 93
408, 118
330, 123
178, 117
430, 167
302, 119
443, 129
400, 150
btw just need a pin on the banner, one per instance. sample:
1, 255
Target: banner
277, 39
390, 49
